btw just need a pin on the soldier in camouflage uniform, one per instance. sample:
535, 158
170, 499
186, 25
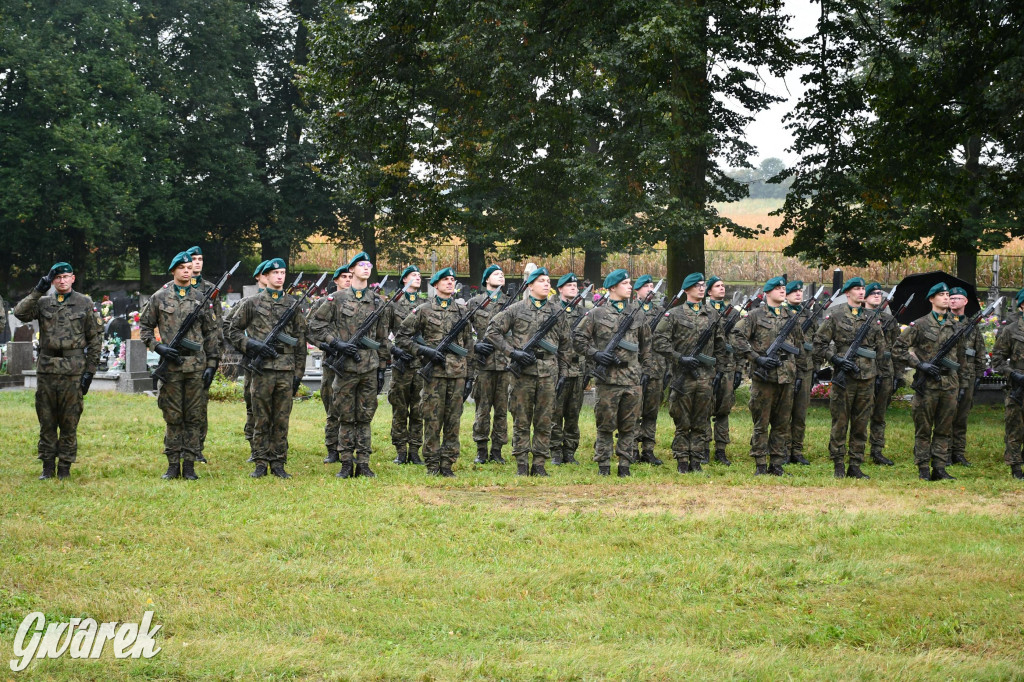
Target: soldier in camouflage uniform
690, 396
732, 375
283, 364
1008, 360
70, 338
850, 406
654, 388
261, 283
802, 387
771, 394
887, 373
441, 401
190, 368
533, 391
406, 382
974, 349
935, 406
490, 387
361, 377
217, 310
342, 279
565, 431
618, 381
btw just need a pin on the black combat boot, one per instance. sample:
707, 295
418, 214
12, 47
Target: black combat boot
332, 457
363, 469
260, 471
798, 458
682, 466
881, 460
522, 469
695, 465
761, 470
201, 458
569, 458
496, 454
652, 458
446, 470
433, 470
721, 458
403, 454
604, 470
959, 458
49, 469
1016, 472
346, 470
777, 470
63, 470
840, 470
481, 453
414, 455
624, 471
854, 472
277, 468
188, 470
705, 456
939, 474
556, 457
924, 473
173, 471
538, 470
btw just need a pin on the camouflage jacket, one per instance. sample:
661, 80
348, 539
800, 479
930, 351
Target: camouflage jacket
974, 349
578, 362
70, 332
752, 336
256, 316
340, 317
514, 326
839, 328
803, 311
498, 360
216, 306
1008, 354
431, 321
728, 362
677, 333
653, 314
166, 310
887, 366
597, 329
400, 310
920, 341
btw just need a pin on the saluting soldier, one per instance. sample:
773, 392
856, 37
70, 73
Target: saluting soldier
974, 350
888, 371
935, 405
217, 311
723, 401
70, 338
283, 365
342, 280
1008, 360
261, 283
654, 389
565, 431
693, 370
618, 391
533, 391
802, 387
850, 405
441, 401
361, 377
406, 385
190, 368
771, 397
490, 389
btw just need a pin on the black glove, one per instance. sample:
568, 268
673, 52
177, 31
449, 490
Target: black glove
208, 375
380, 380
560, 385
931, 370
605, 358
168, 353
256, 348
737, 379
797, 385
1016, 378
765, 362
523, 358
428, 353
687, 361
85, 382
44, 283
467, 390
400, 354
483, 348
344, 348
844, 364
296, 382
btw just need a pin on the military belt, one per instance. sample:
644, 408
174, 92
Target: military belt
65, 353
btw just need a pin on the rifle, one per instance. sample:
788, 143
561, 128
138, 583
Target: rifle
180, 340
839, 379
697, 350
946, 348
745, 306
509, 300
886, 326
448, 342
537, 340
336, 361
780, 344
815, 310
277, 333
617, 340
668, 307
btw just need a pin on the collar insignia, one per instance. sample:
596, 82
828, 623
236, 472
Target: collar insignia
60, 298
358, 293
618, 305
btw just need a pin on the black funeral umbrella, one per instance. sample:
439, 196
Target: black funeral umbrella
919, 285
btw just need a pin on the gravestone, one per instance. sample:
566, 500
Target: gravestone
119, 327
135, 377
19, 357
250, 290
25, 332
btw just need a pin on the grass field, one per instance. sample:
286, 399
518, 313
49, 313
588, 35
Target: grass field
490, 576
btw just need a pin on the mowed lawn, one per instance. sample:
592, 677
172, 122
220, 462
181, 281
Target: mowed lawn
490, 576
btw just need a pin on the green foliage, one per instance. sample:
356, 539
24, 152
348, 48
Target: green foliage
224, 389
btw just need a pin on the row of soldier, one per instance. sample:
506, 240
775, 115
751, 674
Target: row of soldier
534, 355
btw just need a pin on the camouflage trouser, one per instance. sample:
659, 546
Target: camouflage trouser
878, 410
406, 415
1014, 431
933, 422
250, 421
724, 400
355, 401
851, 412
533, 400
771, 409
271, 410
327, 398
442, 409
490, 391
798, 425
565, 431
58, 406
958, 437
180, 400
617, 409
689, 405
647, 426
204, 402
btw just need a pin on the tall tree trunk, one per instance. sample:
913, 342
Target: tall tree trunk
967, 254
684, 255
145, 268
477, 260
368, 233
593, 260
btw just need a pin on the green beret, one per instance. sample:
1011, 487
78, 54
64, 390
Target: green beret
566, 279
958, 291
851, 283
340, 271
872, 288
274, 264
614, 277
487, 273
361, 256
711, 281
62, 268
693, 279
779, 281
407, 271
938, 289
793, 286
259, 269
194, 251
535, 274
642, 280
181, 257
1020, 297
440, 274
